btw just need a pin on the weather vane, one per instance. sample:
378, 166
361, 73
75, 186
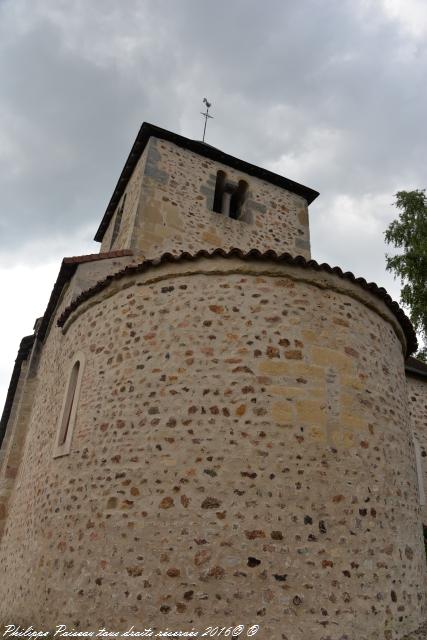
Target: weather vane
206, 115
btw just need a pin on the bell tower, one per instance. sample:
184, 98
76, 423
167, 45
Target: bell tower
176, 195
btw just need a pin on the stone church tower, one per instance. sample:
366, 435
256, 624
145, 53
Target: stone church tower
210, 428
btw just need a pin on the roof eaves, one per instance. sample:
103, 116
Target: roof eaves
416, 367
254, 254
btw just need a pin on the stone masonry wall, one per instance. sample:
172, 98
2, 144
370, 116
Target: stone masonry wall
22, 414
9, 451
133, 192
175, 210
242, 454
417, 395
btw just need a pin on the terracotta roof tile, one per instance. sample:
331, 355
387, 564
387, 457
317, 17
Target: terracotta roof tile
93, 257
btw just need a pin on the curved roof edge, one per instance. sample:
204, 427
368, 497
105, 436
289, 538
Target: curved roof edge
416, 367
66, 272
148, 130
254, 254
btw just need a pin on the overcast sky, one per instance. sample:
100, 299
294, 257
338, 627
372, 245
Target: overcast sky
330, 93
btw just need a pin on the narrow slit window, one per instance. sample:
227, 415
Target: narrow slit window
219, 191
69, 409
117, 222
69, 402
237, 199
421, 489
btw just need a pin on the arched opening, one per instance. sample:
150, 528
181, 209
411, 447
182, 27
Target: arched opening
117, 222
237, 199
229, 197
69, 403
219, 191
420, 476
69, 408
425, 538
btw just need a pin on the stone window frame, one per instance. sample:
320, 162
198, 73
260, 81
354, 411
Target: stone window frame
420, 476
229, 197
67, 417
117, 221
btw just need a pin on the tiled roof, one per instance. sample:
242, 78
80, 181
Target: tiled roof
148, 130
254, 254
93, 257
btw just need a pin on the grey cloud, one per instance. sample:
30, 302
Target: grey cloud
80, 78
330, 93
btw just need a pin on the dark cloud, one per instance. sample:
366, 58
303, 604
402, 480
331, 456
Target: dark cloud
329, 93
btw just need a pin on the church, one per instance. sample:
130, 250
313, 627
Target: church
208, 428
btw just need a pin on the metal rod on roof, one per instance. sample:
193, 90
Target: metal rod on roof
206, 115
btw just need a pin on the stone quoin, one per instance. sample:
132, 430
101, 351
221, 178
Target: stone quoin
208, 428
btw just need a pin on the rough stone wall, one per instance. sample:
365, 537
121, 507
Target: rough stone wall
417, 395
132, 191
14, 409
242, 454
89, 273
26, 508
9, 460
27, 393
175, 211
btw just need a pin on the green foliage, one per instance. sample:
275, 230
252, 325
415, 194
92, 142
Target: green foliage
409, 233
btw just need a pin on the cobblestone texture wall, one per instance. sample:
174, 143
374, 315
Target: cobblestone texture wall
173, 190
417, 394
242, 454
125, 228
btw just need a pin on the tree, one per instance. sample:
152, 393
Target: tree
409, 233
